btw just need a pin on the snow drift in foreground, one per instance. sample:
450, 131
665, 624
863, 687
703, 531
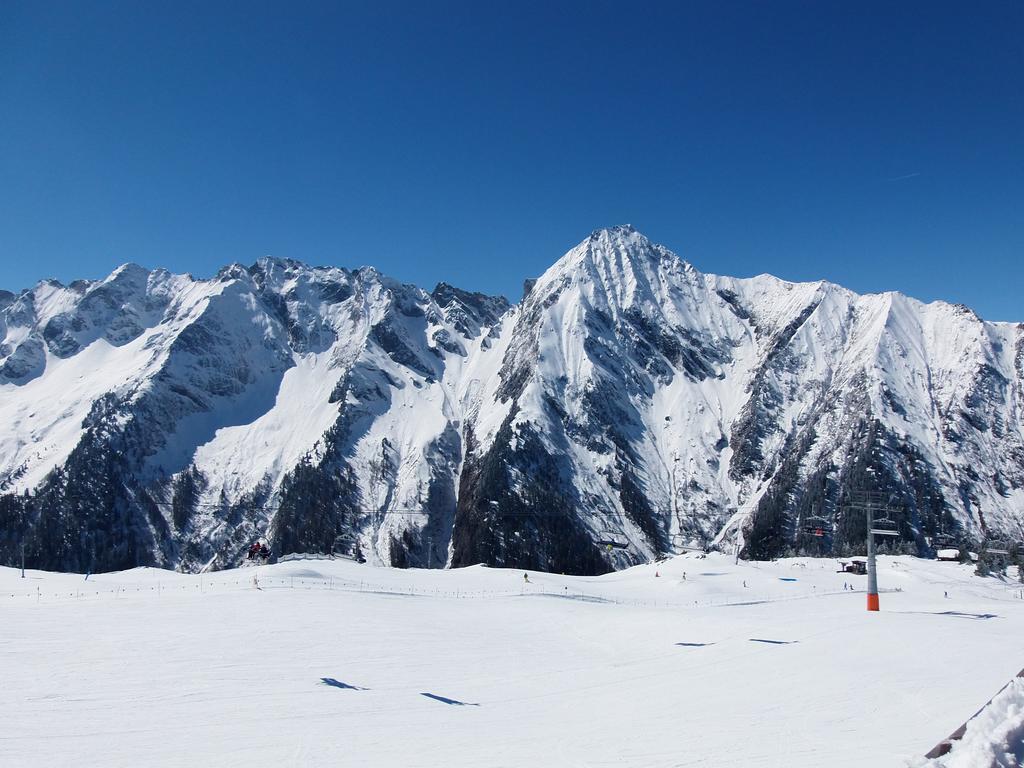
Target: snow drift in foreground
994, 738
689, 662
629, 406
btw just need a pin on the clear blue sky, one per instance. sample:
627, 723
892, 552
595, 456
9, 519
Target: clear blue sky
878, 145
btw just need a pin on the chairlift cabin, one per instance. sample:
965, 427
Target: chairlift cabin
884, 526
816, 526
612, 541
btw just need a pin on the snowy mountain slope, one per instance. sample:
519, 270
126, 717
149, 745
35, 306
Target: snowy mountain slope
682, 407
628, 406
196, 428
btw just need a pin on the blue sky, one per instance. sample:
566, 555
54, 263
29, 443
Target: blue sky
878, 145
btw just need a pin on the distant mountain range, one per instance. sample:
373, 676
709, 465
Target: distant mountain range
629, 406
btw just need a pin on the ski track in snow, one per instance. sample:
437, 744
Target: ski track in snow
332, 663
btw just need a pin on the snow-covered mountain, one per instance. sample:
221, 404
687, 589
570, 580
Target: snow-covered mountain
627, 407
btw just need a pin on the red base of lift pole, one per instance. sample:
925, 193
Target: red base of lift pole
873, 602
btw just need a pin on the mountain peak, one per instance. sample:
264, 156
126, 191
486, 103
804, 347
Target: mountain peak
270, 264
129, 277
616, 231
626, 242
128, 269
619, 260
623, 238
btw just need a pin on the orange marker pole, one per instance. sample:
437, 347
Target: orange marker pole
872, 573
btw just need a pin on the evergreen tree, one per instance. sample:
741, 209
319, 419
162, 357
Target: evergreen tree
983, 568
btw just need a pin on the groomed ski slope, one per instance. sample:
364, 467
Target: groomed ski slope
331, 663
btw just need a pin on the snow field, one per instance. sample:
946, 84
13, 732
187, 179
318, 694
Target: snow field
333, 663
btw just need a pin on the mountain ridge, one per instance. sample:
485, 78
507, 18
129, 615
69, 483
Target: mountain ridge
628, 406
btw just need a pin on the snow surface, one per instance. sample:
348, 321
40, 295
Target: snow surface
333, 663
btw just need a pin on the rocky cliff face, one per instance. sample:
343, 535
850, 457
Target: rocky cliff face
629, 406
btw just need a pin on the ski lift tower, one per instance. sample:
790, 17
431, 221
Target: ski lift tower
871, 502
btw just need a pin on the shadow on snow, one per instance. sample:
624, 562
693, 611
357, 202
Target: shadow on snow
446, 700
338, 684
